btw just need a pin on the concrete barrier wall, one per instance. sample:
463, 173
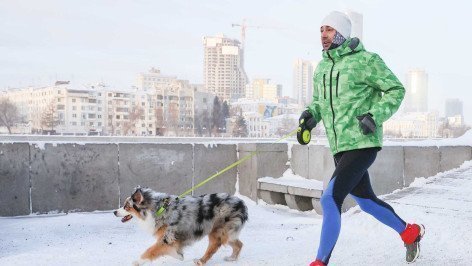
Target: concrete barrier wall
69, 177
72, 177
299, 161
321, 163
453, 156
163, 167
211, 159
395, 167
386, 174
14, 179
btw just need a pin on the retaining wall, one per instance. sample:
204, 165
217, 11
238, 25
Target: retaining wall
72, 177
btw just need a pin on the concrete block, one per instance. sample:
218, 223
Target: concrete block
321, 166
270, 159
271, 197
420, 162
299, 162
453, 156
312, 193
71, 177
14, 179
166, 168
386, 173
317, 206
261, 147
298, 202
348, 203
209, 161
273, 187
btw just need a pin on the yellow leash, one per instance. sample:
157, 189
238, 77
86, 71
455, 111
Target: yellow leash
166, 204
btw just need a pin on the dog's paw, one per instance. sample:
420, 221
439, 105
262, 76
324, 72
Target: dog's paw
198, 262
231, 258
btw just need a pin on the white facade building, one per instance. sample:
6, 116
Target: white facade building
413, 125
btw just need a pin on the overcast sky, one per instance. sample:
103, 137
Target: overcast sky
113, 40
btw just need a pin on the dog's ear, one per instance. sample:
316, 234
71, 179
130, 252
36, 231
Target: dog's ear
137, 196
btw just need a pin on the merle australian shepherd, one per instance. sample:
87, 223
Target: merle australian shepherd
186, 220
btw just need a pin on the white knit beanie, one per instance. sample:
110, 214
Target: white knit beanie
340, 22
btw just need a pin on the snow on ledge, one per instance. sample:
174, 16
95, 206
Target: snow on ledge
293, 180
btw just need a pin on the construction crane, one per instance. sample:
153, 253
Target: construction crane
244, 26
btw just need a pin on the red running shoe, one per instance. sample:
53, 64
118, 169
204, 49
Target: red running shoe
317, 263
411, 236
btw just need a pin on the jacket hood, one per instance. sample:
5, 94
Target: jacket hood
351, 45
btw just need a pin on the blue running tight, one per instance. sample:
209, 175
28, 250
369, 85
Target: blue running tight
351, 177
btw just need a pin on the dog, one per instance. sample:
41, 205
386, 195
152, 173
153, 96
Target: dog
186, 220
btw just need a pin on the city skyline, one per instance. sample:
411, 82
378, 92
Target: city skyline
110, 42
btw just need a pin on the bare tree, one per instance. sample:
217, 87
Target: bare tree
287, 125
134, 117
172, 119
49, 118
159, 113
9, 115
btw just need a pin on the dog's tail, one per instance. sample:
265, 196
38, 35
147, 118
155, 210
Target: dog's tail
238, 217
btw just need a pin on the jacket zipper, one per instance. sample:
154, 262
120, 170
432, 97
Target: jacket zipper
337, 82
324, 85
331, 100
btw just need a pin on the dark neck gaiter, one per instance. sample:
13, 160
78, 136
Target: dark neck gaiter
337, 41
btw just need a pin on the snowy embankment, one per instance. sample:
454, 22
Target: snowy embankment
274, 235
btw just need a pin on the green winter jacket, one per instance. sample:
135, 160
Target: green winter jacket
348, 82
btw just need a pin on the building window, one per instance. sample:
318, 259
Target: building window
74, 108
74, 115
73, 100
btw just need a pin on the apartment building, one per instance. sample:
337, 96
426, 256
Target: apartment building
223, 72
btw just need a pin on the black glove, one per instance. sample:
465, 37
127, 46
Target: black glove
307, 123
367, 123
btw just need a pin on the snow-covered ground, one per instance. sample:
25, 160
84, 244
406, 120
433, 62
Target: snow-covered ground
274, 235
